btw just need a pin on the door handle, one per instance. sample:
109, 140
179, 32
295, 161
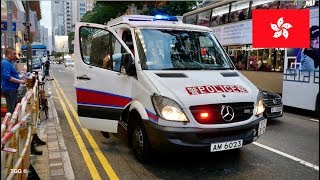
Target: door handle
83, 77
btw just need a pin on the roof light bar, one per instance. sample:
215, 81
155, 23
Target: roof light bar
164, 18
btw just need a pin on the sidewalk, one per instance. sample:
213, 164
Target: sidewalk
54, 163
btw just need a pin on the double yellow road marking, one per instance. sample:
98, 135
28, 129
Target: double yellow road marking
92, 168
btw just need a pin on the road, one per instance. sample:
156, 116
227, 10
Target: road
288, 150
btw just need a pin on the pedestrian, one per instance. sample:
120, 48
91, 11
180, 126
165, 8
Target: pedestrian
10, 80
47, 66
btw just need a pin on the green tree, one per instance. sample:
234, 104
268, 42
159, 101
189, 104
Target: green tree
174, 8
70, 39
103, 11
56, 54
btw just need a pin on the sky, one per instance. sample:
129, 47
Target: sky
45, 21
46, 15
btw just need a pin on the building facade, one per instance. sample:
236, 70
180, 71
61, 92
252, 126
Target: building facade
16, 37
65, 14
57, 11
44, 36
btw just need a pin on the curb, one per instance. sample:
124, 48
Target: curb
59, 160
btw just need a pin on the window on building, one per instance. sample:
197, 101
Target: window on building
191, 19
82, 4
239, 11
82, 9
68, 19
220, 15
204, 18
68, 15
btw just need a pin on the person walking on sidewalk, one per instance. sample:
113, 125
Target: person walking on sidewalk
10, 80
47, 66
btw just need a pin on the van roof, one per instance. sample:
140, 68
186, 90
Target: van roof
148, 21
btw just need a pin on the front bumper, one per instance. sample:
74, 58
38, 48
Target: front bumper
268, 114
173, 138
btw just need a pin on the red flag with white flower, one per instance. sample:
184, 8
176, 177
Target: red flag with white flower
272, 28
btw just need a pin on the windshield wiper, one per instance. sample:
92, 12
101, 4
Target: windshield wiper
184, 68
212, 68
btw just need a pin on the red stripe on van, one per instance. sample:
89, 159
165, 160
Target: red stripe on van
101, 98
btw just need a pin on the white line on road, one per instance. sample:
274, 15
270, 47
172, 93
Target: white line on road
288, 156
315, 120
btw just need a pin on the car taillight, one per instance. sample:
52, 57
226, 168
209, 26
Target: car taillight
206, 114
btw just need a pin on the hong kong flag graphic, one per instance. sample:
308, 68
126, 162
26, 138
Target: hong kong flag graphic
273, 28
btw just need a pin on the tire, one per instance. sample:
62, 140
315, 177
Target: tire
139, 140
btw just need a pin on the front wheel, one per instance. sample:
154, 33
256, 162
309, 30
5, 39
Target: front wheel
139, 141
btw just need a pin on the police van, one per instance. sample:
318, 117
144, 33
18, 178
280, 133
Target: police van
169, 84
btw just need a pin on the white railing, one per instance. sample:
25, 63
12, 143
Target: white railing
16, 133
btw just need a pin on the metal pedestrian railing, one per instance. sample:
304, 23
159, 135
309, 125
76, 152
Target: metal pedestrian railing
16, 135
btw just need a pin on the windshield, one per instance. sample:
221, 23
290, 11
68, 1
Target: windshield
36, 53
39, 52
161, 49
36, 60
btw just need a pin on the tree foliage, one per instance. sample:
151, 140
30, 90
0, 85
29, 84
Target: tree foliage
106, 10
174, 8
56, 54
70, 39
103, 11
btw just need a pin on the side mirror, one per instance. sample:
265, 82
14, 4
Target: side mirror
127, 65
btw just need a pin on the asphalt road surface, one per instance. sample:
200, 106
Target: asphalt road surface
288, 150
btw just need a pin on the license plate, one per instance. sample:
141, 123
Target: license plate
276, 109
226, 145
262, 127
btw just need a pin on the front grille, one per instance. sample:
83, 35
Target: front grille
242, 111
269, 102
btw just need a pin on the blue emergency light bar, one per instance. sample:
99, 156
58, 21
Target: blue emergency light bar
164, 18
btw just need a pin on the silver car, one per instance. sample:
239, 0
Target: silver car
68, 62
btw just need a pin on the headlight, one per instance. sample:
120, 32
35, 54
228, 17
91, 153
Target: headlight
168, 109
260, 106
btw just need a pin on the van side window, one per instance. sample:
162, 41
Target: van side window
100, 48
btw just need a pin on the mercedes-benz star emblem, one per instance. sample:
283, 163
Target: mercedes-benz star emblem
227, 113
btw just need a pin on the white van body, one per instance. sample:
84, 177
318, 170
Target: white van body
215, 109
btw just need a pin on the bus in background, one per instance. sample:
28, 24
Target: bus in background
231, 23
38, 51
301, 71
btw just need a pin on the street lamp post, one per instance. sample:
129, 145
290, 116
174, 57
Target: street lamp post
9, 24
28, 35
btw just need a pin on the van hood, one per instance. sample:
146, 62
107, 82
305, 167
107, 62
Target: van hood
191, 88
